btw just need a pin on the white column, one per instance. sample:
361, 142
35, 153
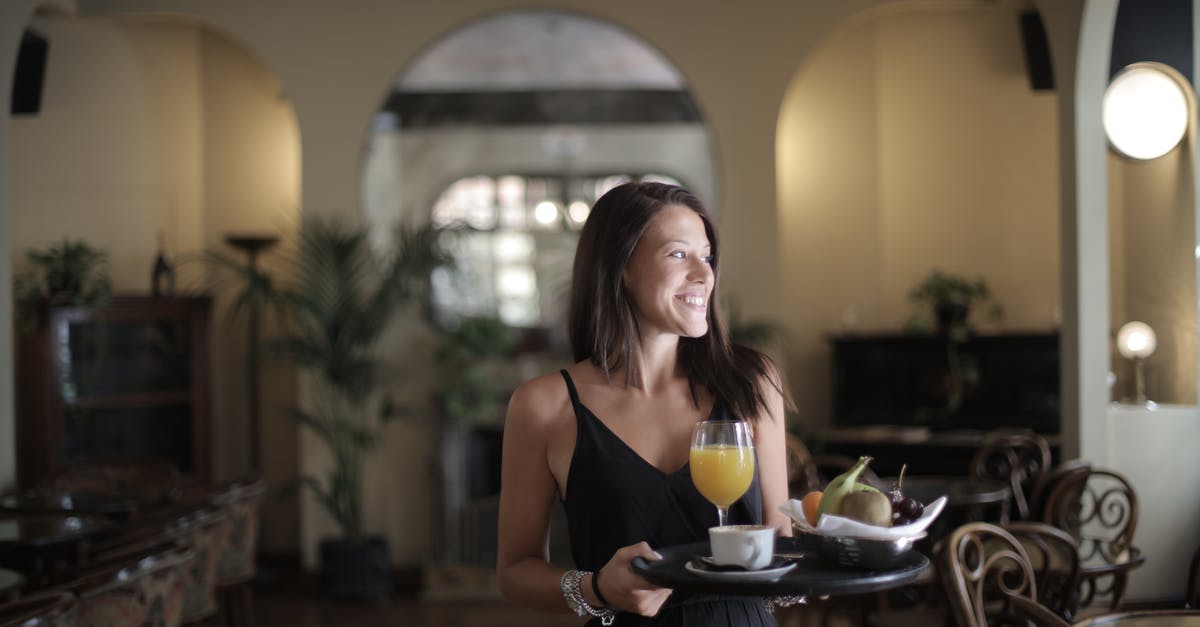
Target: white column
1080, 33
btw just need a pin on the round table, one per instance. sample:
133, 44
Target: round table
812, 575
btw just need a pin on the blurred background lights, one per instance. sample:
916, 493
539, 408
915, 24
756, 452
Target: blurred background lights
545, 212
578, 211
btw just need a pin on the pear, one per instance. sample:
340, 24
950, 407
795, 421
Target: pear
866, 506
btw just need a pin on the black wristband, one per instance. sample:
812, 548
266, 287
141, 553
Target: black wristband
596, 588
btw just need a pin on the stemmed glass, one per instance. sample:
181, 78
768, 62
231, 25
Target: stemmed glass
722, 462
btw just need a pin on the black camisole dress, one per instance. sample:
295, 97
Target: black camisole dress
616, 498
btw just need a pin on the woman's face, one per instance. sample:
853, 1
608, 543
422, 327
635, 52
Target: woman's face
670, 275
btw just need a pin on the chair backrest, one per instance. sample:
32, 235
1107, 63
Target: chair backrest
983, 567
802, 475
1048, 481
46, 609
1099, 508
1054, 558
1019, 459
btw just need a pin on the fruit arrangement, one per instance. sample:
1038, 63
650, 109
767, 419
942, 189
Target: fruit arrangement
847, 497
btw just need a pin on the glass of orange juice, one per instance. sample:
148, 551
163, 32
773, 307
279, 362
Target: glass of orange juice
722, 462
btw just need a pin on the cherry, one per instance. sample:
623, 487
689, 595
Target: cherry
911, 508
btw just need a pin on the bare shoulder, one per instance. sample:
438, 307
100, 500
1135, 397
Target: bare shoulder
540, 402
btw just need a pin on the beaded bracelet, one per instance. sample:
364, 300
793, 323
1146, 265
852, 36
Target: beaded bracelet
596, 589
570, 589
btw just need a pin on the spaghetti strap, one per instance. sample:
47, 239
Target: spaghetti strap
571, 390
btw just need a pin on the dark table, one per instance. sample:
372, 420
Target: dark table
812, 576
42, 546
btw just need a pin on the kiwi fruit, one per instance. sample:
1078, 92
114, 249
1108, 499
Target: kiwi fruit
869, 507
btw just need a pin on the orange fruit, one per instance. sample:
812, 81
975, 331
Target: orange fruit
810, 504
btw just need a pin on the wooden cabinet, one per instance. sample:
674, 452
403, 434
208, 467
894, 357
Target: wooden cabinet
1003, 380
128, 378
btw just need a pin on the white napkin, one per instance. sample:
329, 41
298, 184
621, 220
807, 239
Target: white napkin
830, 525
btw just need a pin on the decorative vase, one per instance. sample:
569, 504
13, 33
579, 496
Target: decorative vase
357, 570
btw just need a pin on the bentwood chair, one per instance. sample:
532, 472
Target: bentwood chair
1049, 480
985, 567
1019, 460
1099, 508
1054, 557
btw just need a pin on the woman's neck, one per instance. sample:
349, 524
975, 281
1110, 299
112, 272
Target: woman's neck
657, 366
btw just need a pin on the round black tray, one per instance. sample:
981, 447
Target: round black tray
812, 576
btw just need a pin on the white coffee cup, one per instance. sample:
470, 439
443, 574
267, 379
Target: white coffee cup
750, 546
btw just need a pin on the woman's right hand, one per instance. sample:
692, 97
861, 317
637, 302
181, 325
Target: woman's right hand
626, 590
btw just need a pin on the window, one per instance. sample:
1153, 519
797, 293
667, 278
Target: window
513, 240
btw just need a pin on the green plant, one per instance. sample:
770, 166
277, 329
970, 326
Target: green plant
950, 298
938, 288
337, 298
69, 272
468, 358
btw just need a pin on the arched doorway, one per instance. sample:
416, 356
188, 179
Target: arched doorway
505, 131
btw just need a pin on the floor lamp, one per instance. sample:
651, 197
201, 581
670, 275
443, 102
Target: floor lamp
252, 245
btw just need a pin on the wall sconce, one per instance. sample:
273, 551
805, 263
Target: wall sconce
1145, 112
1136, 341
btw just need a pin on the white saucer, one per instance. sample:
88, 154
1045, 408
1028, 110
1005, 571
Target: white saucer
767, 574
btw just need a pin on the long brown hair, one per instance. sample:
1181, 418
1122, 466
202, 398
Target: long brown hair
601, 320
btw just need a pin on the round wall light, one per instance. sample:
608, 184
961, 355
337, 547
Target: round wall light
1145, 112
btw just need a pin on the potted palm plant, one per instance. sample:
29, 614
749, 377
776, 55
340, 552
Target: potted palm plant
337, 300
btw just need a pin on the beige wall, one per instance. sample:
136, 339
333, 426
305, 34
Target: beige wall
910, 141
14, 16
131, 90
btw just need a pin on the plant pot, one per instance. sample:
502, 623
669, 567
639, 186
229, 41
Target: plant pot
950, 316
357, 570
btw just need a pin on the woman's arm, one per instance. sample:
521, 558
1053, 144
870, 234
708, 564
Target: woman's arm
527, 490
770, 440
